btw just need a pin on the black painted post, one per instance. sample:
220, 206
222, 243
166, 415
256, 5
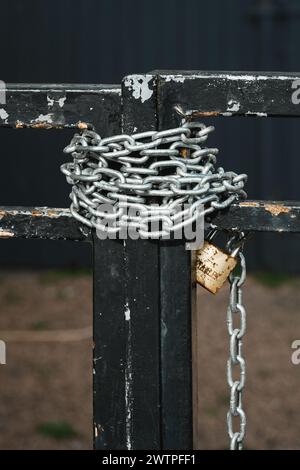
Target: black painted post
126, 321
142, 324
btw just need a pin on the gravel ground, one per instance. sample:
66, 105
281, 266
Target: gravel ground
45, 393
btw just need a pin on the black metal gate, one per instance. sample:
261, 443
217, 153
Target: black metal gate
144, 291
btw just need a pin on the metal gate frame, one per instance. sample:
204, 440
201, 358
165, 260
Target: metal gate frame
144, 291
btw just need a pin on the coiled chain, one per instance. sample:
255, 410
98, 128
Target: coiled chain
154, 173
236, 314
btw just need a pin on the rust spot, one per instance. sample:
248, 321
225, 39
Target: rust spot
82, 125
38, 125
2, 214
204, 113
36, 213
249, 204
19, 125
51, 213
54, 213
184, 153
42, 125
276, 209
6, 234
47, 125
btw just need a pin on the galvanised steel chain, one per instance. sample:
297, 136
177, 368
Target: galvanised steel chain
167, 168
236, 313
153, 173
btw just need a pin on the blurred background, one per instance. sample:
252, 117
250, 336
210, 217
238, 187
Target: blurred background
45, 287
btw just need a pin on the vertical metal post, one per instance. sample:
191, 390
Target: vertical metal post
126, 320
177, 302
142, 324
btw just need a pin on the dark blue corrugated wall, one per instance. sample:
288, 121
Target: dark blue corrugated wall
100, 41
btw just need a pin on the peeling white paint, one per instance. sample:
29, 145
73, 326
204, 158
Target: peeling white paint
43, 118
233, 106
127, 312
174, 78
252, 113
50, 101
139, 85
60, 101
229, 76
228, 114
3, 114
115, 90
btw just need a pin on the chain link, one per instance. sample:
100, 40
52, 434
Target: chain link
155, 173
236, 313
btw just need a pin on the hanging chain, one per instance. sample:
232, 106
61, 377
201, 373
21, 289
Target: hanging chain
236, 313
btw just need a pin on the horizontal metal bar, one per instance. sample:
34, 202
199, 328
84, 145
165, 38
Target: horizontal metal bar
260, 216
47, 106
41, 222
204, 94
58, 224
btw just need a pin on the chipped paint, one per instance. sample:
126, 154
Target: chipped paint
127, 312
249, 77
61, 101
82, 125
233, 106
253, 113
249, 204
3, 114
6, 234
276, 209
139, 85
43, 118
19, 125
195, 114
96, 359
174, 78
98, 429
113, 89
38, 212
50, 101
44, 121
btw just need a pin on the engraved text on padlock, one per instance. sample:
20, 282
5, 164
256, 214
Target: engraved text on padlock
213, 266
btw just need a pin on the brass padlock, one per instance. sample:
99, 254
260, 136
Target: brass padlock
213, 265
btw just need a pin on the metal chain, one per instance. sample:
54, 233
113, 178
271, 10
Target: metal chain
236, 313
155, 173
